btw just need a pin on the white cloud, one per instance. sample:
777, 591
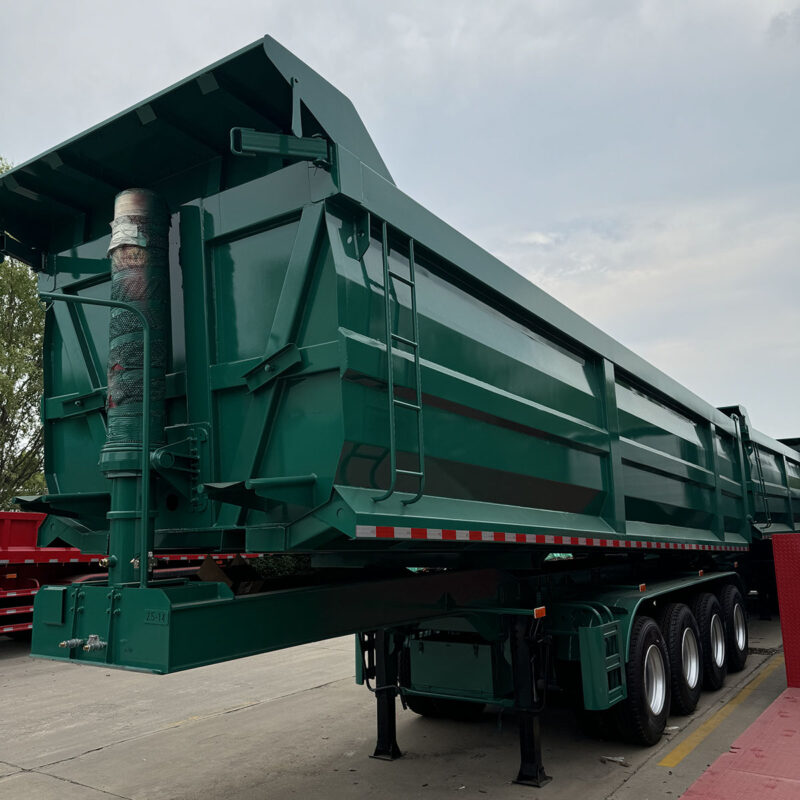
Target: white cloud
706, 291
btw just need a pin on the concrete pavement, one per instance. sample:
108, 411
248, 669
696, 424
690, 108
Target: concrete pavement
293, 724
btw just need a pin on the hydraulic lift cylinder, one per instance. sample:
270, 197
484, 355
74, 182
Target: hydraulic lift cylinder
140, 278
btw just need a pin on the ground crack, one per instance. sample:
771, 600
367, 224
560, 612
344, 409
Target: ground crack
37, 771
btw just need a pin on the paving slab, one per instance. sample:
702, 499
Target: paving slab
7, 769
763, 761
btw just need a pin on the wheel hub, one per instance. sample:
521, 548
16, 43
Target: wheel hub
655, 683
717, 640
690, 656
739, 627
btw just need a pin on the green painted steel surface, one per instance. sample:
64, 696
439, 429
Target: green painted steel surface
301, 287
171, 627
534, 420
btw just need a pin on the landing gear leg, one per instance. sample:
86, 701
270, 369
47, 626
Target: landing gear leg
386, 661
529, 659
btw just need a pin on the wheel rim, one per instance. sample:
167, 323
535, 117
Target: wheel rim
739, 627
690, 656
717, 641
655, 684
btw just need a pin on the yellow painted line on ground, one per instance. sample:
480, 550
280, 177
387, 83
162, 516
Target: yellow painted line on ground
675, 756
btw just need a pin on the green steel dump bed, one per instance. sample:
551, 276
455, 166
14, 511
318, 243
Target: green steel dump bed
499, 419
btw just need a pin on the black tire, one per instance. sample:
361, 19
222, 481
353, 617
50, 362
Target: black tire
682, 636
734, 618
642, 715
708, 613
597, 724
462, 710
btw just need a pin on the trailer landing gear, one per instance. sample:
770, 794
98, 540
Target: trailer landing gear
386, 661
529, 654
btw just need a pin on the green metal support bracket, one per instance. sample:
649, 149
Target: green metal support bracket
179, 462
30, 256
297, 116
262, 493
71, 504
236, 494
297, 490
356, 237
272, 367
250, 142
75, 405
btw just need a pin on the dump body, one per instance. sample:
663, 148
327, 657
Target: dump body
536, 425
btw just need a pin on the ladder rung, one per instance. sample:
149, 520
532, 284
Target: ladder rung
401, 278
410, 342
409, 472
404, 404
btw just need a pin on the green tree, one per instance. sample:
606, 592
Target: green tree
21, 331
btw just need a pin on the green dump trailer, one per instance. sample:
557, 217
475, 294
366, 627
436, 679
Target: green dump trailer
256, 342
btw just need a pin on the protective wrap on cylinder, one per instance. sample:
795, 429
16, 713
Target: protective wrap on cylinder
139, 276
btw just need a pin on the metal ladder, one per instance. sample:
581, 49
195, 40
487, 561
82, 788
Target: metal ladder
391, 338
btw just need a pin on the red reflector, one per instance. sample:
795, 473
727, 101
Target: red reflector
736, 565
539, 612
700, 574
642, 587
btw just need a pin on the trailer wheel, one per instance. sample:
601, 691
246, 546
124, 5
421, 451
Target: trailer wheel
708, 613
462, 710
734, 618
643, 714
685, 656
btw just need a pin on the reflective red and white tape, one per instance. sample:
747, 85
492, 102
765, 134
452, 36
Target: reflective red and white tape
450, 535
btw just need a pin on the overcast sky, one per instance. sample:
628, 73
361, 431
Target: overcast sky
638, 160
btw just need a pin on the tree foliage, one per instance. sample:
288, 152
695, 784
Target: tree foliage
21, 332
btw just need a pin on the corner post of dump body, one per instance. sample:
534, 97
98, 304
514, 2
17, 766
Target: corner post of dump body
614, 506
744, 478
713, 465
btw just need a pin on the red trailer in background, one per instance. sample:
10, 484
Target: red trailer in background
24, 567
